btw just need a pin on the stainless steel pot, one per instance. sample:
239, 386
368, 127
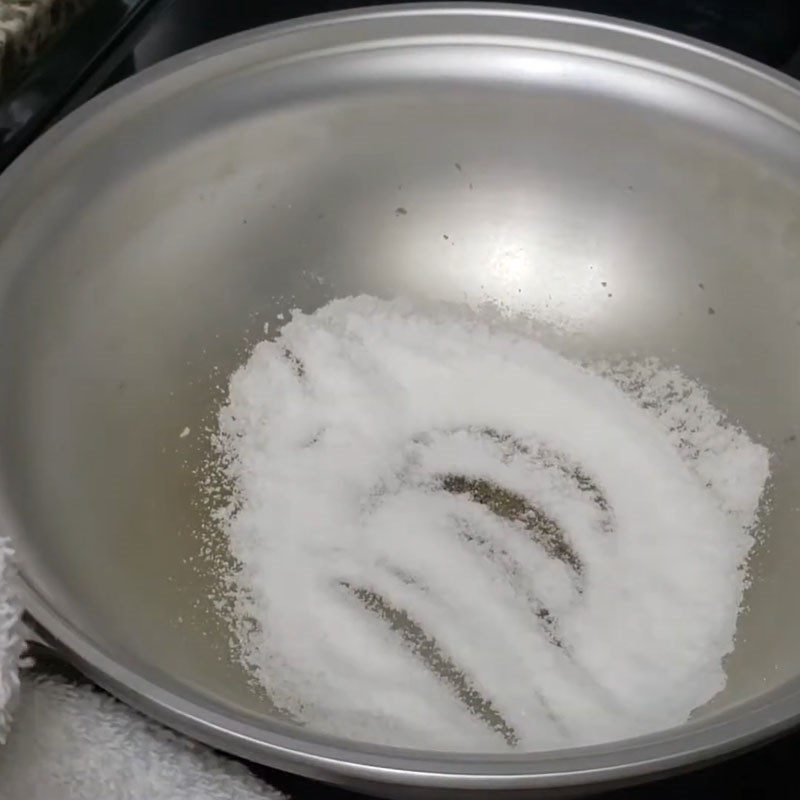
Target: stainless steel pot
636, 186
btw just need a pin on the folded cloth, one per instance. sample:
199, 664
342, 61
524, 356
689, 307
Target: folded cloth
27, 27
10, 641
74, 742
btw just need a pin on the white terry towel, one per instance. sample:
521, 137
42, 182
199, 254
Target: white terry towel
10, 641
68, 742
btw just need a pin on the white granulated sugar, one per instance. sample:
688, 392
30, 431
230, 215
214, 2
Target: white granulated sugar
450, 536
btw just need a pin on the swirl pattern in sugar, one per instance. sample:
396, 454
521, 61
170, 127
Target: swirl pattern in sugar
450, 536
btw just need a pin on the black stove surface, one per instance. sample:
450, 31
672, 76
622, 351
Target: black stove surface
118, 38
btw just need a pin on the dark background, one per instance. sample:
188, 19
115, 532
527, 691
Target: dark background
117, 38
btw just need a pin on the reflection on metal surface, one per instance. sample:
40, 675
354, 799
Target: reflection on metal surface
145, 242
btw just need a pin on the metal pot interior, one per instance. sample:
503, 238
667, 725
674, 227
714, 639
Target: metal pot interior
145, 243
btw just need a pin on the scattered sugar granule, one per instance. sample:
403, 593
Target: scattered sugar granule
449, 536
184, 433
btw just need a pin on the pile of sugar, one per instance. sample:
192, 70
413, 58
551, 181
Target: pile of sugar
449, 536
